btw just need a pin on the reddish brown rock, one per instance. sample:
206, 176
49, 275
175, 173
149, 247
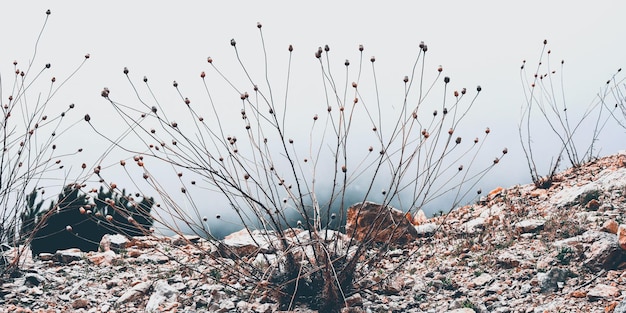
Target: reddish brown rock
621, 236
610, 226
372, 221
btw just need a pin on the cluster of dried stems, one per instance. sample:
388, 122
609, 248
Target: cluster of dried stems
272, 182
289, 193
544, 90
30, 156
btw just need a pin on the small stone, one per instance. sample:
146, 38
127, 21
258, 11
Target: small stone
602, 291
481, 280
578, 294
354, 300
115, 242
610, 226
68, 255
80, 304
530, 225
621, 236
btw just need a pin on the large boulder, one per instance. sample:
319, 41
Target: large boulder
380, 223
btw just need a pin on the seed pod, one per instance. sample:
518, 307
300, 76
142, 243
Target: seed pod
344, 168
461, 167
258, 25
68, 228
347, 63
290, 48
505, 151
233, 42
361, 48
126, 70
496, 160
87, 117
406, 79
446, 79
458, 140
209, 59
487, 130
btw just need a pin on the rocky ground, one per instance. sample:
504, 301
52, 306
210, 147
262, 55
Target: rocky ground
520, 249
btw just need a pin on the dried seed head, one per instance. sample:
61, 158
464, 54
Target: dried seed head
487, 130
456, 93
505, 151
361, 48
370, 149
315, 117
203, 74
435, 113
183, 190
204, 218
347, 62
479, 191
440, 69
68, 228
461, 167
290, 48
476, 140
87, 117
153, 109
233, 42
445, 110
344, 168
113, 186
87, 56
187, 101
326, 48
145, 176
458, 140
414, 114
175, 84
354, 85
48, 12
82, 210
496, 160
126, 70
83, 166
446, 79
290, 140
406, 79
246, 176
48, 65
356, 100
209, 59
258, 25
72, 106
373, 59
450, 131
333, 216
105, 92
545, 41
478, 88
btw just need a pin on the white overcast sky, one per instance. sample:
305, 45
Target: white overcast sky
477, 43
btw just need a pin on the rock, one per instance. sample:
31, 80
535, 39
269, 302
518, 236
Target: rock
426, 229
354, 300
367, 220
419, 218
162, 292
115, 242
248, 243
134, 292
185, 239
593, 205
610, 226
68, 255
103, 258
45, 256
621, 307
156, 258
621, 236
529, 226
602, 291
602, 250
80, 304
509, 260
481, 280
606, 180
550, 281
473, 226
34, 279
461, 310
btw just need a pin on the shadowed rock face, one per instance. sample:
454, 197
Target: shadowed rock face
372, 221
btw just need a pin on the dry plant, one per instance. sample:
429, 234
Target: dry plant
31, 154
544, 91
289, 189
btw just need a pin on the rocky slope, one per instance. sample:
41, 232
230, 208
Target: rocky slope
520, 249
